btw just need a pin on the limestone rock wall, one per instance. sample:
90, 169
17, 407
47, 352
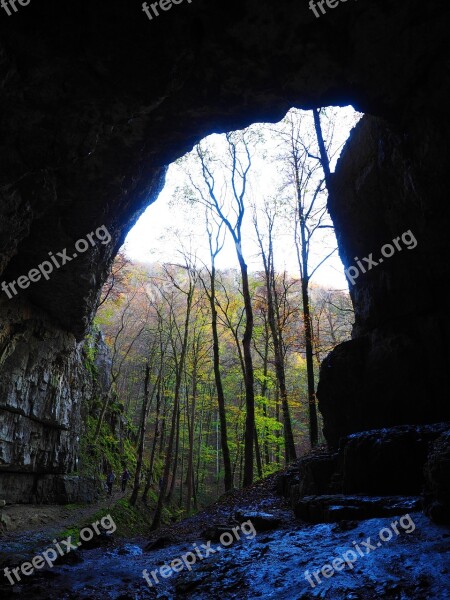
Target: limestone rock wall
44, 387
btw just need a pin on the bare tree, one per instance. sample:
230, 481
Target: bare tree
131, 326
142, 429
178, 339
232, 217
114, 285
275, 325
304, 174
215, 242
159, 390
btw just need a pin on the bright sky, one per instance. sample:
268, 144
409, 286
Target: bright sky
156, 236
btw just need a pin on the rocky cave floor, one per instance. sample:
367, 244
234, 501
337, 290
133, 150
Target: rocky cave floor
271, 565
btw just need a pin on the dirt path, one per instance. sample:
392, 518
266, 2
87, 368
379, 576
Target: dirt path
31, 526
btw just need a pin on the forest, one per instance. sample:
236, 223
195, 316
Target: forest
214, 366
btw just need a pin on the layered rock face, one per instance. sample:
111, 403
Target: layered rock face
43, 383
97, 100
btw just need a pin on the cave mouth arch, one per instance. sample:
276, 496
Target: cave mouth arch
163, 215
188, 244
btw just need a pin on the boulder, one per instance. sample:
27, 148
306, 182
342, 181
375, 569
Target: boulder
330, 509
437, 478
387, 461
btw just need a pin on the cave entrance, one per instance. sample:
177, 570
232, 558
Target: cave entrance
240, 233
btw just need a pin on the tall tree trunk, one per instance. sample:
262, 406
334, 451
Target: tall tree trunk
183, 448
241, 464
249, 375
166, 473
309, 352
277, 416
264, 394
238, 172
175, 461
289, 445
191, 420
258, 455
204, 467
155, 441
145, 403
228, 477
176, 401
163, 426
277, 337
199, 446
324, 160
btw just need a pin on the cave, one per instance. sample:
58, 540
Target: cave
97, 100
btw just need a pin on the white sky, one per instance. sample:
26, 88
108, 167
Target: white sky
156, 236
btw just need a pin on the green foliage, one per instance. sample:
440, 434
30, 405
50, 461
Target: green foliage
90, 352
271, 468
129, 520
129, 427
73, 532
104, 451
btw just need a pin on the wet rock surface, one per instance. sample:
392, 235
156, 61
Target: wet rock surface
330, 509
261, 521
437, 476
411, 564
